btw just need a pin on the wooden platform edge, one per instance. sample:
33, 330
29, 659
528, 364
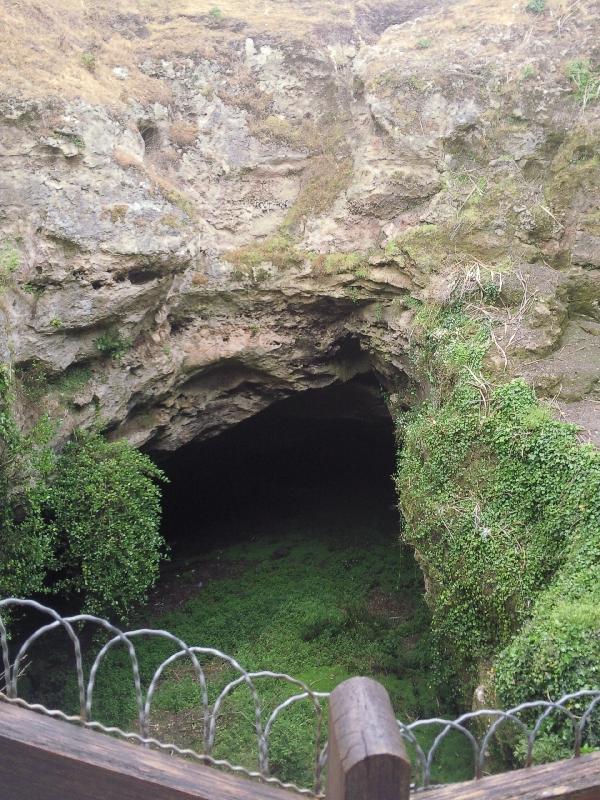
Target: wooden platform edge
575, 779
48, 759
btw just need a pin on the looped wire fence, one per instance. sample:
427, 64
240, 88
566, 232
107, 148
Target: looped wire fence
480, 728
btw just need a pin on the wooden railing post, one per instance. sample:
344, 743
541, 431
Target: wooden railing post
367, 759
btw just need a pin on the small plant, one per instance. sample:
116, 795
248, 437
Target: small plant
423, 44
586, 80
412, 302
177, 198
88, 61
392, 248
33, 377
71, 381
9, 262
77, 140
352, 293
56, 322
113, 344
417, 84
527, 73
33, 288
536, 6
215, 14
118, 212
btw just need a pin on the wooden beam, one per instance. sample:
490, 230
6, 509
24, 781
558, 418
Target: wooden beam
46, 759
575, 779
367, 759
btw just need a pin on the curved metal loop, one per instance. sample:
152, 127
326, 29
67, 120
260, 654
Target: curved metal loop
504, 716
583, 722
145, 632
320, 752
448, 726
13, 675
409, 736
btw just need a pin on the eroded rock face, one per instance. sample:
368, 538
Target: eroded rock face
187, 238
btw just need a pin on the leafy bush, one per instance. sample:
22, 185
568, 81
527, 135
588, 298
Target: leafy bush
104, 506
113, 344
27, 545
85, 522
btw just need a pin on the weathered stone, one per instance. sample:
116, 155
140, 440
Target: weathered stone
183, 205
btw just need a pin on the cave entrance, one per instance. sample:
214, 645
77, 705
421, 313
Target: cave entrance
305, 456
284, 535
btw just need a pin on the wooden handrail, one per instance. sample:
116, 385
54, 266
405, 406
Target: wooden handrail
45, 759
575, 779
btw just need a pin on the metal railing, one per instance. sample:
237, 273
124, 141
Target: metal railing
480, 728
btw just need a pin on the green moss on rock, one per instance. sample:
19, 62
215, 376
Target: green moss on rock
502, 504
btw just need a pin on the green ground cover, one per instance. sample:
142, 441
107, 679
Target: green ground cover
325, 593
502, 502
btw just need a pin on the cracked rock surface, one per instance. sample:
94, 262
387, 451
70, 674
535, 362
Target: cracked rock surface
223, 212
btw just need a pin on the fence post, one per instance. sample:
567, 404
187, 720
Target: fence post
367, 759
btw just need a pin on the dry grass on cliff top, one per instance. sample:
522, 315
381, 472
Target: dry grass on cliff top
70, 47
48, 48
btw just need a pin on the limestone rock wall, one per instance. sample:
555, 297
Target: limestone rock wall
202, 212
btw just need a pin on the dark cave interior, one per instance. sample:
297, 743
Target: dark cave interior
327, 445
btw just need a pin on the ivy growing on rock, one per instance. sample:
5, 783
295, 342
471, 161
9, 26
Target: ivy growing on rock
26, 542
502, 504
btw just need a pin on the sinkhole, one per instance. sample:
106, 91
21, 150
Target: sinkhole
285, 549
285, 553
284, 538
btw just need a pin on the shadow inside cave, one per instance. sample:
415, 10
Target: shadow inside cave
312, 453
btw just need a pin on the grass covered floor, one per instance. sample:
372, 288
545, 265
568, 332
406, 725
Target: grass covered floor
285, 555
322, 592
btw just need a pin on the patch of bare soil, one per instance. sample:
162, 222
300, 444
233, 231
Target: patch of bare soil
388, 604
180, 582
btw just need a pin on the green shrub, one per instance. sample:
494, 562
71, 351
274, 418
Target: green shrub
423, 44
536, 6
503, 505
586, 80
113, 344
85, 522
88, 61
104, 507
27, 545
